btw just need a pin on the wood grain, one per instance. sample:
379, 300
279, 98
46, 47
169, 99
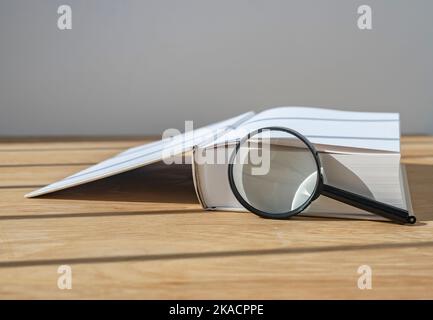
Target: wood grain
143, 235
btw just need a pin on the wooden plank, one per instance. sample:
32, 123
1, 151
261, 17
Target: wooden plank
143, 235
417, 149
40, 158
159, 231
53, 145
327, 275
35, 176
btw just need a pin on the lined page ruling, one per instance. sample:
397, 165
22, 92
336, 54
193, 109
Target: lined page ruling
361, 130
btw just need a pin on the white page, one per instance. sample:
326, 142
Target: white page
140, 156
361, 130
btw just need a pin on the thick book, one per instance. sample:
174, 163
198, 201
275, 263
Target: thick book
360, 152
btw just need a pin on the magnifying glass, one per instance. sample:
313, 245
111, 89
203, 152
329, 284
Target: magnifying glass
275, 172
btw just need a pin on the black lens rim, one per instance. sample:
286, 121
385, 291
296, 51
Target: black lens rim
283, 215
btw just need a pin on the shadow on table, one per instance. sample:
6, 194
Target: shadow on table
157, 182
173, 184
213, 254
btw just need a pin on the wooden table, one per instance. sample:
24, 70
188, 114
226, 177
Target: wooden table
143, 235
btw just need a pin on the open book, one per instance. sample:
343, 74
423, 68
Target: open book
360, 152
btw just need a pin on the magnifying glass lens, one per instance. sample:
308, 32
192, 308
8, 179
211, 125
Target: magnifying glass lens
274, 172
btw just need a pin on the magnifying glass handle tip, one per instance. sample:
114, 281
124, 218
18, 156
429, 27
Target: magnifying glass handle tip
411, 220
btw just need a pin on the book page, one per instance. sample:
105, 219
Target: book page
327, 127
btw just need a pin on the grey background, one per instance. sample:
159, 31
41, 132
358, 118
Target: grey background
139, 67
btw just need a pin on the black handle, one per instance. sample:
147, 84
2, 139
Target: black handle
373, 206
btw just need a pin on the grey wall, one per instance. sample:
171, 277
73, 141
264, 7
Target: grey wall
139, 67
